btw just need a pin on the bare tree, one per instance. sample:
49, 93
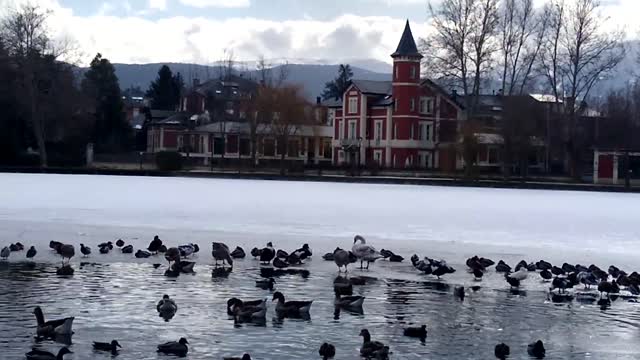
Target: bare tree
578, 53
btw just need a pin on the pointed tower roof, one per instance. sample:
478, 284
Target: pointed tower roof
407, 45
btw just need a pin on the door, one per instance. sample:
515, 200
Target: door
377, 156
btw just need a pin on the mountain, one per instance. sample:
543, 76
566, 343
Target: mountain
312, 77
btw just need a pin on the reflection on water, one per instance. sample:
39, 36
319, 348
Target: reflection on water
118, 301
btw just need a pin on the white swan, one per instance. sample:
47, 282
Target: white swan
364, 252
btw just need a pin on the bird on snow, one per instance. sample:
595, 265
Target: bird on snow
85, 250
364, 252
267, 254
31, 253
4, 253
220, 252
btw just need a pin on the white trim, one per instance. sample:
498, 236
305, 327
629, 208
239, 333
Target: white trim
352, 105
406, 116
405, 84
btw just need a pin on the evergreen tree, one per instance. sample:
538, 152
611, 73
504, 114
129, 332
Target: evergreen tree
165, 90
100, 83
336, 88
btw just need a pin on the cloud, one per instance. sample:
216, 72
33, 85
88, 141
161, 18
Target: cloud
217, 3
158, 5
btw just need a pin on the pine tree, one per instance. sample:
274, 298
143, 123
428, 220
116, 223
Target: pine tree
165, 90
336, 88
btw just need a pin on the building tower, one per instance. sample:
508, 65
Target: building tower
406, 95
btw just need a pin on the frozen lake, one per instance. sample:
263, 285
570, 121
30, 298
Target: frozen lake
439, 222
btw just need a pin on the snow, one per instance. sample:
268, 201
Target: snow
436, 221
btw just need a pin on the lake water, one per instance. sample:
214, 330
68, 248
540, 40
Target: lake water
114, 296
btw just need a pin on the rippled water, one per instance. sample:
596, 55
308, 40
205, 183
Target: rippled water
117, 301
114, 296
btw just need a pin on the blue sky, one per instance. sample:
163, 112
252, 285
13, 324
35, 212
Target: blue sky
206, 31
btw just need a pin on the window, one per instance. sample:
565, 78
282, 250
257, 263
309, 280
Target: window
377, 156
377, 131
412, 105
412, 73
426, 105
353, 105
218, 145
340, 130
494, 157
269, 147
395, 71
425, 131
245, 147
352, 129
411, 132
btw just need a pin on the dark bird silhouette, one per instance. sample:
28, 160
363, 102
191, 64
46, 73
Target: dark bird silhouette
608, 287
546, 275
327, 351
267, 254
568, 268
55, 245
238, 253
163, 249
536, 350
67, 252
543, 265
478, 274
36, 354
104, 249
520, 265
557, 271
31, 253
502, 351
416, 332
119, 243
255, 252
385, 253
85, 250
141, 254
279, 263
127, 249
178, 348
513, 282
502, 267
102, 346
155, 244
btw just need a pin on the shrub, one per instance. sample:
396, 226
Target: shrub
169, 161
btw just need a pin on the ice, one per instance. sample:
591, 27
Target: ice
430, 220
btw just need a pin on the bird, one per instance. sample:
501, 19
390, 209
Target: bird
478, 274
513, 282
127, 249
396, 258
328, 256
255, 252
386, 253
304, 252
282, 254
104, 249
182, 266
244, 357
371, 349
364, 252
546, 275
141, 254
294, 259
178, 348
536, 350
247, 311
166, 306
85, 250
279, 263
162, 249
107, 244
557, 271
4, 253
103, 346
502, 351
220, 252
119, 243
52, 328
341, 258
55, 245
172, 254
416, 332
14, 247
267, 254
45, 355
31, 253
503, 267
520, 265
327, 351
348, 301
543, 265
155, 244
442, 269
67, 252
265, 284
187, 250
252, 303
608, 287
238, 253
568, 268
300, 307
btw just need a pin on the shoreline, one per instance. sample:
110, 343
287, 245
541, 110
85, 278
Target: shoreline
438, 180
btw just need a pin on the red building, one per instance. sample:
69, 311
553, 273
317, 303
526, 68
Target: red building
407, 122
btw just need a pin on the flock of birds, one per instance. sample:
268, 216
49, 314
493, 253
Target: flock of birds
613, 282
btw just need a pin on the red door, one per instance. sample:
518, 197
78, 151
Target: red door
605, 167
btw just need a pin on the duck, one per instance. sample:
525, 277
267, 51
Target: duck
248, 311
502, 351
65, 270
371, 349
416, 332
477, 274
341, 258
172, 254
608, 287
127, 249
255, 252
543, 265
119, 243
348, 301
279, 263
252, 303
163, 249
178, 348
502, 267
238, 253
14, 248
513, 282
546, 275
364, 252
67, 251
267, 254
107, 244
442, 269
396, 258
557, 271
282, 254
536, 350
155, 244
294, 259
291, 306
105, 346
244, 357
520, 265
385, 253
31, 253
4, 253
568, 268
327, 351
185, 267
141, 254
45, 355
328, 256
85, 250
166, 305
52, 328
55, 245
304, 252
265, 284
103, 249
220, 252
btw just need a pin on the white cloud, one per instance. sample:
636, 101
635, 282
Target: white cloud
217, 3
158, 4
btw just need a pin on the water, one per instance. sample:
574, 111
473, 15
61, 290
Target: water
114, 296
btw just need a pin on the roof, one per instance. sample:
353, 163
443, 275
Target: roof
547, 98
175, 119
453, 99
374, 87
407, 45
161, 114
386, 100
216, 86
332, 103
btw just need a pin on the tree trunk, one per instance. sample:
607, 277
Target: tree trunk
38, 126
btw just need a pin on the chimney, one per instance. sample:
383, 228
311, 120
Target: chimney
318, 100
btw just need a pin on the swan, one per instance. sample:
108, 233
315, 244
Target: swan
364, 252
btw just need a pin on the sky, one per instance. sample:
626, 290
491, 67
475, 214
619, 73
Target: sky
205, 31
